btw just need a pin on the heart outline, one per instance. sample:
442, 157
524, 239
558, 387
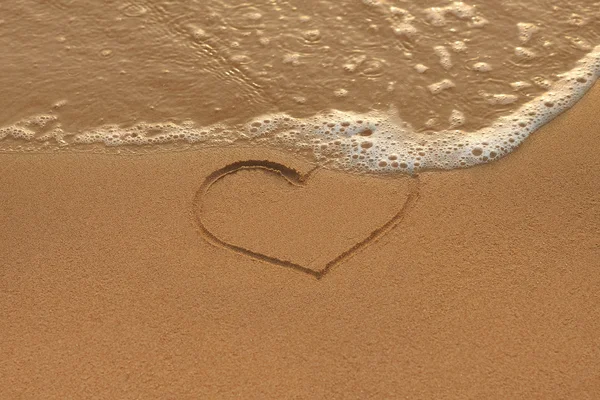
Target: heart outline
295, 178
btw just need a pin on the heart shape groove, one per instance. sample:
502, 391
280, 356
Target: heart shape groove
274, 174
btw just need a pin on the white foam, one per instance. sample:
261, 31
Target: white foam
580, 43
457, 118
444, 56
520, 85
440, 86
420, 68
404, 29
525, 53
437, 15
478, 22
372, 142
499, 98
459, 46
482, 67
526, 31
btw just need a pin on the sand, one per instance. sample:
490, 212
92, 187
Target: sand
249, 273
487, 288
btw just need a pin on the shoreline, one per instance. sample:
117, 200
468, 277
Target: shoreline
487, 289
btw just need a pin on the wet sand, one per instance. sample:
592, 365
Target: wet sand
488, 288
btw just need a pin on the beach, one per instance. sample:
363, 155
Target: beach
360, 199
487, 288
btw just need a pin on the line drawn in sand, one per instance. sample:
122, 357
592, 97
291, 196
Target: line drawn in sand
298, 179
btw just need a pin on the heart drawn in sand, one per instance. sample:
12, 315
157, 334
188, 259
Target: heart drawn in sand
309, 222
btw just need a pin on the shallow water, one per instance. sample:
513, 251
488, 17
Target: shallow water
357, 84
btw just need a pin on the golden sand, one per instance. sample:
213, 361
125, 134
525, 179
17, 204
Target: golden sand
256, 273
489, 288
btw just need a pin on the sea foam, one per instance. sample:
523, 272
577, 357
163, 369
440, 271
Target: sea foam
380, 141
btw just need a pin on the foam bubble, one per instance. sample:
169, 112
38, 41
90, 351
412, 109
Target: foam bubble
525, 53
580, 43
482, 67
459, 46
478, 22
444, 56
404, 29
420, 68
520, 85
526, 31
440, 86
374, 141
541, 82
340, 92
499, 98
437, 15
312, 35
457, 118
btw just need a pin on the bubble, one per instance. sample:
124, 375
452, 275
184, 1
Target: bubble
372, 68
300, 99
440, 86
520, 85
541, 82
579, 43
405, 30
197, 33
437, 15
459, 46
482, 67
431, 123
477, 151
478, 22
312, 36
526, 31
444, 56
457, 118
525, 53
500, 99
340, 93
240, 59
420, 68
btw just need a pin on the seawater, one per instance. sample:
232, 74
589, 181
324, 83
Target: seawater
362, 85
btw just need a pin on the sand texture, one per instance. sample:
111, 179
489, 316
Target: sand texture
488, 286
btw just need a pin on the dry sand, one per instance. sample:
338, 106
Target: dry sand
489, 287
